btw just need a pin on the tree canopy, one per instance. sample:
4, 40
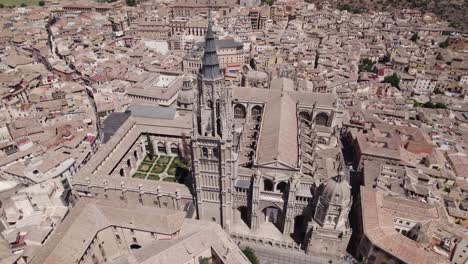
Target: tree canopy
150, 147
131, 2
250, 254
366, 65
415, 37
393, 80
348, 8
434, 105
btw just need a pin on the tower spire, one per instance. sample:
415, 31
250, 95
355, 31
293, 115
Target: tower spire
210, 68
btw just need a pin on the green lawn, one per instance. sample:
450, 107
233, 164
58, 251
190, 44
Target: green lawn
139, 175
175, 168
164, 160
172, 170
169, 179
158, 168
153, 177
145, 167
147, 159
17, 3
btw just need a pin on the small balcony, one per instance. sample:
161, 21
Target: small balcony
272, 196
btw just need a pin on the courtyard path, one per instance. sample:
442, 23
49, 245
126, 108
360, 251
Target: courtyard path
164, 173
151, 168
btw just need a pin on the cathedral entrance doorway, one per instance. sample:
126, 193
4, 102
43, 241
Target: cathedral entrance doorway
243, 215
299, 229
273, 217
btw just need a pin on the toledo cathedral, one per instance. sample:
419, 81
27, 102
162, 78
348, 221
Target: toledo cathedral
265, 159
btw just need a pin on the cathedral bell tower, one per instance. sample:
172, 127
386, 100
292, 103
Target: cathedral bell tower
213, 161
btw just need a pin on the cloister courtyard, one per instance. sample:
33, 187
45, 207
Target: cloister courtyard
162, 168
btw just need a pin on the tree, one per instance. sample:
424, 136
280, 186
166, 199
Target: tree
441, 105
345, 7
186, 153
444, 44
385, 59
24, 5
131, 2
430, 104
456, 25
2, 6
150, 147
366, 65
416, 103
393, 80
415, 37
268, 2
250, 254
205, 260
41, 3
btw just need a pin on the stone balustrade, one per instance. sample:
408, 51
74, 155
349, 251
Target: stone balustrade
290, 245
271, 196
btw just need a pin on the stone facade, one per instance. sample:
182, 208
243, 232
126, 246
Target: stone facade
238, 186
213, 158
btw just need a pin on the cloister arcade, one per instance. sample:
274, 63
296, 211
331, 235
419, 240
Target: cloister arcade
270, 186
251, 112
320, 118
249, 117
166, 146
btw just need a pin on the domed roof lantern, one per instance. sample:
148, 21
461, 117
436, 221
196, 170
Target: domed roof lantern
187, 83
338, 191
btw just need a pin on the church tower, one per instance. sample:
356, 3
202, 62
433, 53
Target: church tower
213, 161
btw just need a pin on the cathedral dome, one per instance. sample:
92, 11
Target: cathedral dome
337, 191
185, 96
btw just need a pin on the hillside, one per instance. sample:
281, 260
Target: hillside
455, 11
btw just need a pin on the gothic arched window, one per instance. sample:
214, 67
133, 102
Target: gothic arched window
174, 149
161, 147
281, 187
239, 111
268, 185
322, 119
305, 115
257, 112
215, 153
204, 152
209, 104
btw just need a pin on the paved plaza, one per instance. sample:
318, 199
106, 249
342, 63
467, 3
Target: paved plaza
270, 255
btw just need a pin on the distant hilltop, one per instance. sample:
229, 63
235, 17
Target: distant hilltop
453, 11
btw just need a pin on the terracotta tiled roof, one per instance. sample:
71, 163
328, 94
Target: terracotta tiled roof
377, 217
